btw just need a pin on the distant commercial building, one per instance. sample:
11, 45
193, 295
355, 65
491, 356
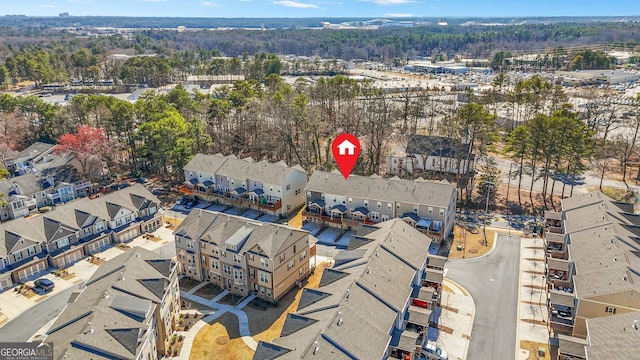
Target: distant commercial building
591, 77
593, 275
432, 153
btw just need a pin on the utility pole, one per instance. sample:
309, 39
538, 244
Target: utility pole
486, 211
507, 201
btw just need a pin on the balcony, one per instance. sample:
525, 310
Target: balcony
185, 190
317, 217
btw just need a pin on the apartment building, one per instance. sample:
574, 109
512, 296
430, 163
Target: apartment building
435, 154
333, 201
128, 309
69, 233
240, 255
273, 188
375, 302
53, 186
593, 274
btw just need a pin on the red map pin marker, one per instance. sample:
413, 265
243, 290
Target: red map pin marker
346, 149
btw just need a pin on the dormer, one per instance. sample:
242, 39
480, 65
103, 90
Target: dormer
15, 189
236, 241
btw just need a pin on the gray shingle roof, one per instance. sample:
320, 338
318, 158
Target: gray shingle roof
355, 320
407, 191
110, 312
614, 337
219, 227
242, 169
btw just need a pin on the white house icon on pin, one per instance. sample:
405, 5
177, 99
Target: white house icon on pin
346, 148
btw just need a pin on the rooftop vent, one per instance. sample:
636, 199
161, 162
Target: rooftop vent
316, 348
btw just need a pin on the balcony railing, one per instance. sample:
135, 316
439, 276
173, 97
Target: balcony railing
323, 218
185, 190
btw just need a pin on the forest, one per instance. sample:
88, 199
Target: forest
266, 118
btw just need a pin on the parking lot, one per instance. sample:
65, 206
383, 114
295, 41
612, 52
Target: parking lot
185, 206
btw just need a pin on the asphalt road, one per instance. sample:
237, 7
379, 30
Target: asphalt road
29, 322
493, 282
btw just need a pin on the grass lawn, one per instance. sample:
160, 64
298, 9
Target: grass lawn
474, 243
268, 332
220, 340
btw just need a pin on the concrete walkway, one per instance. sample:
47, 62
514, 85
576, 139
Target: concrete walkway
456, 320
533, 316
243, 321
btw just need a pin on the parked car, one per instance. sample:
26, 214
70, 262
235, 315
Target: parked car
44, 284
433, 352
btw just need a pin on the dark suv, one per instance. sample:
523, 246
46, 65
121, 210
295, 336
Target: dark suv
44, 284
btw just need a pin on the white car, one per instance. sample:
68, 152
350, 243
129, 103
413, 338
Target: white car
433, 352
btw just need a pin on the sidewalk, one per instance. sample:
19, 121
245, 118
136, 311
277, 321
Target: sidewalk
456, 320
532, 300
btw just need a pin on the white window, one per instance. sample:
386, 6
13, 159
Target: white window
269, 292
223, 253
264, 262
298, 192
291, 264
308, 193
288, 186
379, 204
191, 244
237, 259
350, 200
264, 277
303, 256
441, 212
366, 203
203, 259
251, 258
252, 273
203, 245
63, 242
388, 206
301, 272
611, 310
227, 269
238, 274
281, 258
215, 264
322, 196
31, 250
430, 210
17, 256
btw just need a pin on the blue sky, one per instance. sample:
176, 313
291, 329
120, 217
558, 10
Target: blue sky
322, 8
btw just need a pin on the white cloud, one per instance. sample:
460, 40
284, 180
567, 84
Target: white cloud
389, 2
398, 15
208, 3
296, 4
48, 6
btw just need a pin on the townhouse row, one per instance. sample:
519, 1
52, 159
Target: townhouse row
377, 301
328, 198
241, 255
128, 309
273, 188
30, 246
593, 275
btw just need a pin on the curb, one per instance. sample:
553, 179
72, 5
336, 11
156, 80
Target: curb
473, 314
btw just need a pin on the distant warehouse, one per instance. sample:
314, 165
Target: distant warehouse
591, 77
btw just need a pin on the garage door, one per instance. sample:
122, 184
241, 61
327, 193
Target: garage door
31, 271
96, 246
72, 258
5, 284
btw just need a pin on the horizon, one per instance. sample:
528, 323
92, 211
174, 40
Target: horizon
258, 9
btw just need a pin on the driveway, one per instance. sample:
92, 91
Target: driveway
493, 282
29, 322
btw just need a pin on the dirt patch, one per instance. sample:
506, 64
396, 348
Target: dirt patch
187, 284
209, 291
471, 245
216, 342
68, 277
230, 299
187, 320
618, 194
532, 347
273, 330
